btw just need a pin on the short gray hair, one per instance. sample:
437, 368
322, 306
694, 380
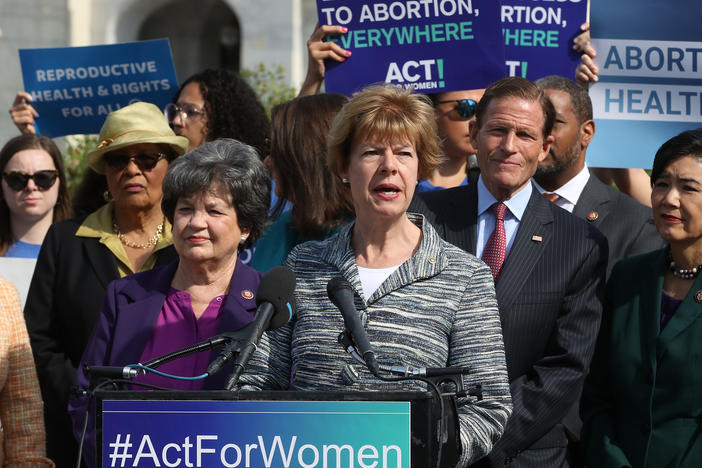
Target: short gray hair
236, 168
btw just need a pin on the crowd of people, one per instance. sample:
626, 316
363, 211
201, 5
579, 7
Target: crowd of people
466, 224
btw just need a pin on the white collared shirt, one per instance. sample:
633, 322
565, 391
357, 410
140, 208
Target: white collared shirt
486, 218
570, 191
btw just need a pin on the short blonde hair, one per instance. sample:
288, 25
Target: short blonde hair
385, 113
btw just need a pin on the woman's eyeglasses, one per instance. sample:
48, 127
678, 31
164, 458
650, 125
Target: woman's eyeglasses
18, 180
465, 107
145, 161
186, 111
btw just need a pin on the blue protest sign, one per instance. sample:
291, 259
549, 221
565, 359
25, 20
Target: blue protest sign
74, 88
430, 45
275, 434
650, 81
539, 36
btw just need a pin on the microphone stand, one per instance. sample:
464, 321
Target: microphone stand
447, 383
450, 377
236, 339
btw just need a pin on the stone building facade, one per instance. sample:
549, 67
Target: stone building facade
203, 33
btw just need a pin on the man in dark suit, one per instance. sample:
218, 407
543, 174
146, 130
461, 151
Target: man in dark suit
626, 223
548, 265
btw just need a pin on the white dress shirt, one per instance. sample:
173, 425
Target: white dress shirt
570, 191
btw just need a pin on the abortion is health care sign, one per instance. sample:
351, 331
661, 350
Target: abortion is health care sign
74, 88
539, 35
429, 45
649, 54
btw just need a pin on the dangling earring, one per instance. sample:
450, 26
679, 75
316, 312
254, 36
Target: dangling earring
107, 196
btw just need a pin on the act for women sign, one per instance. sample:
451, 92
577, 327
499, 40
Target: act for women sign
238, 434
74, 88
429, 45
649, 54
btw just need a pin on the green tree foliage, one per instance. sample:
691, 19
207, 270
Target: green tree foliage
270, 85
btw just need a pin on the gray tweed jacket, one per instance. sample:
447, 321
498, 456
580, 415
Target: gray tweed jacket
437, 309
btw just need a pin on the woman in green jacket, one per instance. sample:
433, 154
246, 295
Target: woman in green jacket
642, 403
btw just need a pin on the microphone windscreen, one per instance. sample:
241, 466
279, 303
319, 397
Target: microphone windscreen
278, 288
334, 285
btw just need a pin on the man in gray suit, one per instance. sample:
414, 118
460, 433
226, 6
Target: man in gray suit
565, 178
548, 265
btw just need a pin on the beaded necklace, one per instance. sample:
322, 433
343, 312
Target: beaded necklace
146, 245
683, 273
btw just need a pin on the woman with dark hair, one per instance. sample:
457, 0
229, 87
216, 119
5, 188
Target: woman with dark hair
218, 103
216, 197
642, 404
34, 194
298, 163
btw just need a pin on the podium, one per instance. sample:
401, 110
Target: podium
274, 429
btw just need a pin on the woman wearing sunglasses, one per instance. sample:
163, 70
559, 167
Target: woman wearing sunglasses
453, 112
81, 256
34, 194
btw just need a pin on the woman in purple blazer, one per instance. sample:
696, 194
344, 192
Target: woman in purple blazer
216, 197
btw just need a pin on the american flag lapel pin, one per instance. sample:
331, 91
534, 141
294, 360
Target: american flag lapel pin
537, 238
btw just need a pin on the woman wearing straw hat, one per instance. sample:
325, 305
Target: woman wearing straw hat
81, 256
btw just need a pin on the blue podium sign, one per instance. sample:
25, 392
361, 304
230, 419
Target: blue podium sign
649, 55
273, 434
74, 88
430, 45
539, 36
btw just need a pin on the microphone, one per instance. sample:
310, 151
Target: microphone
341, 293
404, 371
276, 303
111, 372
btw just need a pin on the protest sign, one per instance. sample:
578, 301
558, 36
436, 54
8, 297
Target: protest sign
430, 45
74, 88
539, 36
650, 81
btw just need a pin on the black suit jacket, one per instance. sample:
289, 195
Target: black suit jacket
626, 223
550, 298
63, 304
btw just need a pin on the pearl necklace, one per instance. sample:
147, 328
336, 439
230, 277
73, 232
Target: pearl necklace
147, 245
684, 273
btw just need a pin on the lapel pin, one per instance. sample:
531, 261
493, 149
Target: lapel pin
698, 297
246, 294
536, 238
592, 216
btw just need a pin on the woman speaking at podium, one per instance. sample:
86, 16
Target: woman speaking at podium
425, 302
